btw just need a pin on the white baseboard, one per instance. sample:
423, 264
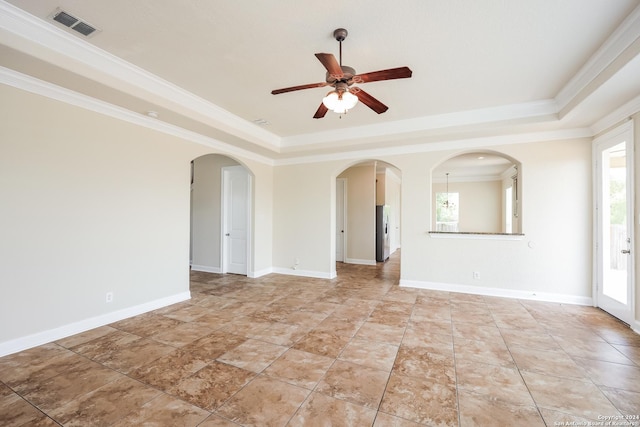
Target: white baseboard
635, 327
206, 268
260, 273
360, 261
304, 273
498, 292
39, 338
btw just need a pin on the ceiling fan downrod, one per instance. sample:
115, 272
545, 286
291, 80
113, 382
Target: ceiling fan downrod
340, 34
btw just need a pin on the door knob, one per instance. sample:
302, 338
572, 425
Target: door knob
626, 251
226, 234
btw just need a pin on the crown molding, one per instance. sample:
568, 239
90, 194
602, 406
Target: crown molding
52, 44
457, 144
622, 38
31, 84
420, 125
622, 113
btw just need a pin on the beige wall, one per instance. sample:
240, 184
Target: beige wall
90, 205
480, 208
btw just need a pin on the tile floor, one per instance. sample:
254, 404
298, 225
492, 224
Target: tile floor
354, 351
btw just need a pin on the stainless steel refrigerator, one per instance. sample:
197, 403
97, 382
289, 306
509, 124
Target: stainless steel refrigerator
382, 233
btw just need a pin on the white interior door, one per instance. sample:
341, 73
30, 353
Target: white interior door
340, 218
235, 206
613, 154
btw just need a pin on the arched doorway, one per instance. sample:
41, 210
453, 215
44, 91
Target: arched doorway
220, 215
362, 234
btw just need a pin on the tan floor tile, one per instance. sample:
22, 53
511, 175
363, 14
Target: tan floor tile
253, 355
15, 411
105, 405
212, 385
613, 375
631, 352
84, 337
67, 386
320, 410
169, 370
217, 421
490, 352
482, 332
339, 326
146, 325
421, 362
556, 418
386, 420
595, 350
213, 345
354, 383
299, 368
571, 396
556, 363
183, 334
381, 333
435, 342
627, 402
280, 333
21, 366
502, 384
421, 400
481, 410
164, 410
529, 339
322, 343
264, 402
370, 353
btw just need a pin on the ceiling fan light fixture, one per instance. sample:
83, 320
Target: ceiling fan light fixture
340, 102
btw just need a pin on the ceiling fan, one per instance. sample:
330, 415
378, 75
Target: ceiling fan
341, 78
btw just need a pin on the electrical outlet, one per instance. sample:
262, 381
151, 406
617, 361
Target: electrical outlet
109, 297
476, 275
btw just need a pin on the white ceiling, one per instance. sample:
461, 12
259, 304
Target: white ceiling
482, 69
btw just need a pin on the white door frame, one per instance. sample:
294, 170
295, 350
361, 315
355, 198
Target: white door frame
223, 217
622, 133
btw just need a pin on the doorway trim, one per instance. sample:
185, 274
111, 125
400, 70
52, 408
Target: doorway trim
621, 133
341, 213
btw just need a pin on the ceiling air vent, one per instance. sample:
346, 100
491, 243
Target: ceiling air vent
72, 22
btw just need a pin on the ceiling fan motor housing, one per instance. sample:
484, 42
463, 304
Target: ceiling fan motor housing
347, 76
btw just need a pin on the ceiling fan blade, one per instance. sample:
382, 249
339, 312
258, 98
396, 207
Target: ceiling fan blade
331, 64
322, 110
390, 74
369, 100
294, 88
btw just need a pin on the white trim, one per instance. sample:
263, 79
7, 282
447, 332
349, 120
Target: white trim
497, 292
49, 90
635, 327
259, 273
609, 51
91, 62
622, 113
305, 273
402, 128
474, 236
360, 261
428, 147
39, 338
205, 268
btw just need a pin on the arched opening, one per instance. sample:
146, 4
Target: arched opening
221, 199
368, 212
477, 192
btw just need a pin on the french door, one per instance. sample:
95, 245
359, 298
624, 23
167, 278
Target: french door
613, 155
